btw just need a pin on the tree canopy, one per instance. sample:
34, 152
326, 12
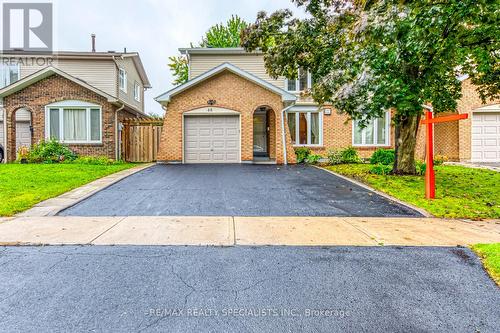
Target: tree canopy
218, 36
369, 56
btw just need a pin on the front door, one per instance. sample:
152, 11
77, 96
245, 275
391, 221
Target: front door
260, 134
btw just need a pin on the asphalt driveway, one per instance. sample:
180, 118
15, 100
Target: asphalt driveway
236, 190
245, 289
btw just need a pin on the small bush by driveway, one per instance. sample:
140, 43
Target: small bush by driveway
24, 185
460, 192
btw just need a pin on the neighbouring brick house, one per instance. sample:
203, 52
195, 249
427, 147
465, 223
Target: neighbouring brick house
78, 98
231, 111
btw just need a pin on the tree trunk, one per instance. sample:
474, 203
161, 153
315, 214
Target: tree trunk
406, 141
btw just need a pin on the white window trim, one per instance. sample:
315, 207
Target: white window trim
77, 105
137, 92
297, 129
3, 68
124, 88
387, 142
297, 83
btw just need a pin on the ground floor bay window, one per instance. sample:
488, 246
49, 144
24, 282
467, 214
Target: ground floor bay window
375, 133
74, 122
306, 128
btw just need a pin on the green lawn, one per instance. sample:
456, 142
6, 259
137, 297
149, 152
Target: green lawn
490, 255
24, 185
460, 192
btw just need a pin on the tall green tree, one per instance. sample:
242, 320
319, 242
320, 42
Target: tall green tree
370, 56
218, 36
227, 35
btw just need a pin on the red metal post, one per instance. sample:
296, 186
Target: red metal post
430, 181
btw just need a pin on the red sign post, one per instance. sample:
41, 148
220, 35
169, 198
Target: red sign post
430, 180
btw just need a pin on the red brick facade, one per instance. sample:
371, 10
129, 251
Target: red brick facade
231, 92
452, 140
53, 89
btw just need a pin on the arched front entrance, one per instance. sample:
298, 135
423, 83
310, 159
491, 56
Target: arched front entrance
264, 134
23, 129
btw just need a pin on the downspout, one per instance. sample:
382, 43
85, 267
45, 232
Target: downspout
117, 139
283, 133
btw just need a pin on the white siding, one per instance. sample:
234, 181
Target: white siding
132, 77
101, 74
251, 63
23, 115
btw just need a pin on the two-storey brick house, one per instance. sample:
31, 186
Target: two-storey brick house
77, 98
231, 111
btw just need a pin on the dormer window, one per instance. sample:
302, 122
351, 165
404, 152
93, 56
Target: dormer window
122, 80
301, 83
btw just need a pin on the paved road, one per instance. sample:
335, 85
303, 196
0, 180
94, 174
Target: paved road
245, 289
236, 190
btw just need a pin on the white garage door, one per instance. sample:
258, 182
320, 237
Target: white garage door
486, 137
23, 134
211, 139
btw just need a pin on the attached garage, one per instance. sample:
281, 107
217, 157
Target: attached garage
212, 139
486, 134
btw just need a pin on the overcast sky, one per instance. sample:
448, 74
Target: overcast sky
154, 28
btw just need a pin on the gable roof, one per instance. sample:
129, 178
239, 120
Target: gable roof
44, 73
285, 95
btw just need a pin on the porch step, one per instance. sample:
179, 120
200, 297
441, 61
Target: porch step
263, 160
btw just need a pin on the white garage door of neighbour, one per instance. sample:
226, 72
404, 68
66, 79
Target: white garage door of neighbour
486, 136
212, 139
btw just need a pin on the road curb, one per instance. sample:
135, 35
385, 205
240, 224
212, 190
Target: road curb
385, 195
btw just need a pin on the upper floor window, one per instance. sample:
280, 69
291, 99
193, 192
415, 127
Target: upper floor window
301, 83
376, 132
137, 92
74, 122
122, 79
9, 73
306, 128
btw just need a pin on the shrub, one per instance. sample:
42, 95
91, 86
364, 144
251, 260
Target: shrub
302, 154
440, 159
420, 167
91, 160
383, 156
350, 155
334, 157
380, 169
50, 152
313, 158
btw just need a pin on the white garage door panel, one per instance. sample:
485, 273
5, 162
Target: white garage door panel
486, 137
211, 139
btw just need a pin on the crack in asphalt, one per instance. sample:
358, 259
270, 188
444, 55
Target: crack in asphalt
193, 290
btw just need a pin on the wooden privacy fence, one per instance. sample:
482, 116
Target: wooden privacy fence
140, 140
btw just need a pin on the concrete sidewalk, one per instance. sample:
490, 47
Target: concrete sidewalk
229, 231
